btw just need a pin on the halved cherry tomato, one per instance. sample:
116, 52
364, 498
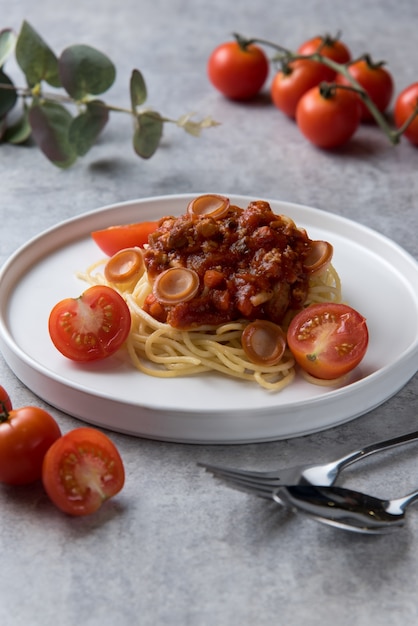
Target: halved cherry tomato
82, 470
238, 73
330, 47
405, 105
92, 326
328, 116
5, 402
328, 340
375, 79
25, 436
111, 240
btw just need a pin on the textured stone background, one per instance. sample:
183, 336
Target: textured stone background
175, 547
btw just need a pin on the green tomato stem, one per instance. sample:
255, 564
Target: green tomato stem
286, 56
4, 413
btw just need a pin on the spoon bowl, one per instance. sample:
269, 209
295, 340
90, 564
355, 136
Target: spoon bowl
345, 508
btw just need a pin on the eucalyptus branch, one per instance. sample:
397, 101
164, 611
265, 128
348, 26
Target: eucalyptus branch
83, 73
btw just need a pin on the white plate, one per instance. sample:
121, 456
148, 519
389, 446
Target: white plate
378, 277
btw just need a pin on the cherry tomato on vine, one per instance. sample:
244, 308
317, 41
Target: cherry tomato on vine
374, 79
328, 116
289, 84
5, 402
332, 48
406, 103
111, 240
328, 340
92, 326
82, 470
25, 436
238, 73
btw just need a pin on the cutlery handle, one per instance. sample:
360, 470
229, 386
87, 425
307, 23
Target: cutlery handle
376, 447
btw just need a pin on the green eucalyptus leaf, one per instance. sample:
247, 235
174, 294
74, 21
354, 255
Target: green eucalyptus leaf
85, 71
7, 44
138, 89
50, 123
35, 58
86, 127
19, 132
147, 134
8, 96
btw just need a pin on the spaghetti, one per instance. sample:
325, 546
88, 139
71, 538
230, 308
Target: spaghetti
159, 348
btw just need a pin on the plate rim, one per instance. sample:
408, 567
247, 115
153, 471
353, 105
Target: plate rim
408, 355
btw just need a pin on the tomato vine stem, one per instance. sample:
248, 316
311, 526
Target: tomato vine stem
4, 413
285, 56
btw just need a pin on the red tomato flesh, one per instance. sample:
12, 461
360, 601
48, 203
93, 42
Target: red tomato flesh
25, 436
111, 240
91, 327
82, 470
328, 340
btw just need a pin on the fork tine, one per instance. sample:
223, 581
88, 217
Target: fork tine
249, 475
261, 488
257, 489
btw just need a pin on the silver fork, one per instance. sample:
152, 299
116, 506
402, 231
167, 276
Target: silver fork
263, 484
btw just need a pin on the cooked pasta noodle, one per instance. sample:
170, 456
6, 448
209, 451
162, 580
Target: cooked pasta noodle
158, 349
215, 263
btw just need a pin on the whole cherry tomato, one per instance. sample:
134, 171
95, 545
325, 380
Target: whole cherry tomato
328, 116
374, 79
92, 326
238, 73
111, 240
5, 402
25, 436
82, 470
406, 103
331, 47
289, 84
328, 340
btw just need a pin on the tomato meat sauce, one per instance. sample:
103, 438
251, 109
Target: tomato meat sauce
250, 264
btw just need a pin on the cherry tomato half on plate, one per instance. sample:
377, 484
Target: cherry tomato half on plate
26, 434
238, 73
92, 326
406, 103
111, 240
82, 470
328, 340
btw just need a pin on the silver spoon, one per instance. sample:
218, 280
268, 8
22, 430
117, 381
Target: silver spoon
345, 508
